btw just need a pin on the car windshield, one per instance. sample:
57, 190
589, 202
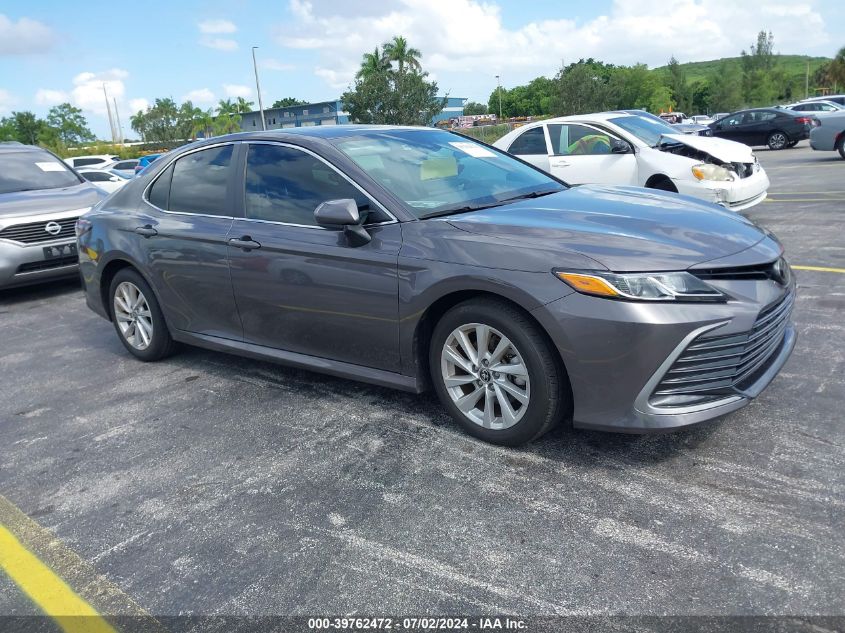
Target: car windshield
438, 173
648, 130
31, 170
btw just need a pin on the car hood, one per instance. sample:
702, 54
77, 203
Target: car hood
25, 203
624, 229
719, 148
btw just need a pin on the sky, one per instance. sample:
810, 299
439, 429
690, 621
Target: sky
56, 51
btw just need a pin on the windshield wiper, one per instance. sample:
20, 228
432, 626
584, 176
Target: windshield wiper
456, 210
532, 194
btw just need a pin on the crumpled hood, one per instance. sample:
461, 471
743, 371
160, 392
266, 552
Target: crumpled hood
621, 228
24, 203
719, 148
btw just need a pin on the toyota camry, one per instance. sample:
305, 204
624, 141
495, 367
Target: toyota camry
415, 258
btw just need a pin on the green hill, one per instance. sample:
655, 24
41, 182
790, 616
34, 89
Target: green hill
792, 64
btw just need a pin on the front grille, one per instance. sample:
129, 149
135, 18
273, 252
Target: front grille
35, 232
760, 272
712, 367
47, 264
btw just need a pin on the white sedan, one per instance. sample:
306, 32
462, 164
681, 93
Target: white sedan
624, 148
105, 179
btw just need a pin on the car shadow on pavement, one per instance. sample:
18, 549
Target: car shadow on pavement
39, 292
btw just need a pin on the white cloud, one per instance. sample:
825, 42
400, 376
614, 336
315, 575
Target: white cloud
459, 37
24, 37
87, 92
7, 101
138, 105
219, 43
236, 90
48, 97
200, 96
216, 26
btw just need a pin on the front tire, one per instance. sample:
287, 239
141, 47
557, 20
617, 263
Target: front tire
137, 317
496, 373
777, 140
840, 146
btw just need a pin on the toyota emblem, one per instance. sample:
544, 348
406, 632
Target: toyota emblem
53, 228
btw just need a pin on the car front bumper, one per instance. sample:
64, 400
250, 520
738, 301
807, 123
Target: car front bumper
736, 195
620, 356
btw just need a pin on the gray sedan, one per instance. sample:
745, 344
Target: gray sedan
40, 200
417, 258
829, 134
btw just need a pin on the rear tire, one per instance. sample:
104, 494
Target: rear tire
840, 146
777, 140
137, 317
497, 373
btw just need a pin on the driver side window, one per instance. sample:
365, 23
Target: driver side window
286, 185
579, 140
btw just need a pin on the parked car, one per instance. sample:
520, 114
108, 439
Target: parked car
774, 127
126, 167
673, 117
40, 200
144, 162
629, 149
839, 99
814, 106
417, 257
94, 160
701, 119
108, 180
829, 134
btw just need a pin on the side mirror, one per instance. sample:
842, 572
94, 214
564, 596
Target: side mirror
343, 214
618, 146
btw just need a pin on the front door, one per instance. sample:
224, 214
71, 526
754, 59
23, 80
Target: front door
582, 154
303, 288
530, 146
182, 228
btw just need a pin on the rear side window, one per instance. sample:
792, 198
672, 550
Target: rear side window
530, 143
199, 182
160, 191
286, 185
96, 176
82, 162
127, 164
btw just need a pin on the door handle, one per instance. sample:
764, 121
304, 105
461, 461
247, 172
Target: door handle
559, 163
146, 231
245, 242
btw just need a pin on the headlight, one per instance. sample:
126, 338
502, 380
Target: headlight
705, 171
680, 286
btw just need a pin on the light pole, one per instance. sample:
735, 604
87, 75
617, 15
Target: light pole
258, 89
499, 91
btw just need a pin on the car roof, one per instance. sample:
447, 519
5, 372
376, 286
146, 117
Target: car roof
14, 146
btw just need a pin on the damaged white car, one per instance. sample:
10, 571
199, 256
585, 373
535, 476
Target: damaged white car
621, 148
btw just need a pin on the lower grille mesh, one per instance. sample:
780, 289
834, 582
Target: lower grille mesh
722, 365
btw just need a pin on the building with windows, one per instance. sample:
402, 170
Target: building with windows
325, 113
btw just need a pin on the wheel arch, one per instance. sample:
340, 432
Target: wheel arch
656, 179
113, 266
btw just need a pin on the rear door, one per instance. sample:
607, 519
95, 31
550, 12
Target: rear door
583, 154
303, 288
531, 147
183, 227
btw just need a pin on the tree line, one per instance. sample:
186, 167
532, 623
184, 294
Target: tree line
64, 126
590, 85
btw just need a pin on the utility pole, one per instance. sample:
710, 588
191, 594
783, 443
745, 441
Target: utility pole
258, 89
119, 126
499, 91
108, 111
807, 82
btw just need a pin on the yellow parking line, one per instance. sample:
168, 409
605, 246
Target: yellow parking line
821, 269
61, 584
47, 590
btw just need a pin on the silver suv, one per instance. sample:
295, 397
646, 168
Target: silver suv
40, 200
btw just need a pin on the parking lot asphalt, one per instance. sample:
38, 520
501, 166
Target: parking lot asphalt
210, 484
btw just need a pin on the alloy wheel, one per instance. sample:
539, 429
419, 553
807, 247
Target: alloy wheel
778, 140
485, 376
133, 316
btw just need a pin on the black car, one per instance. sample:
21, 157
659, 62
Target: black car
776, 128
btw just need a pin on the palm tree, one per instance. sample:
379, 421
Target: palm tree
225, 106
371, 64
203, 122
398, 51
242, 105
